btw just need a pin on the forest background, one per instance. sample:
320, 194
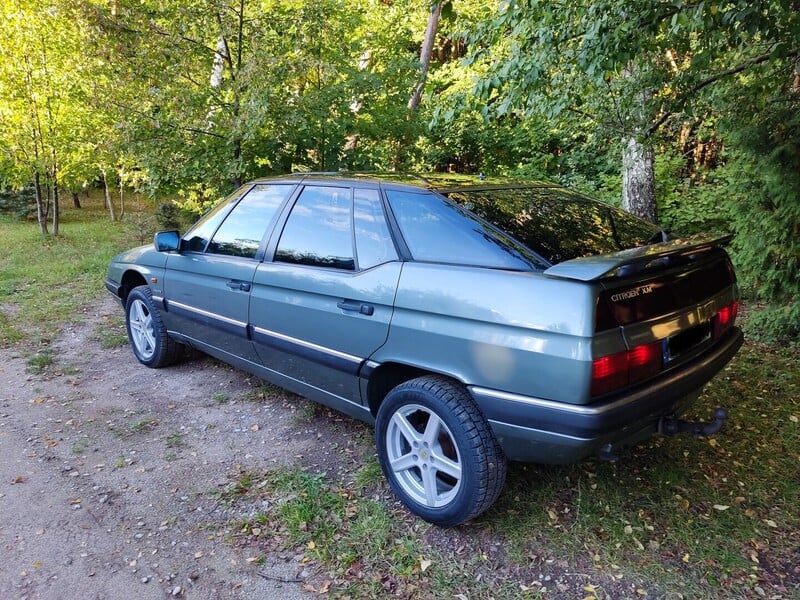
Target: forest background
686, 113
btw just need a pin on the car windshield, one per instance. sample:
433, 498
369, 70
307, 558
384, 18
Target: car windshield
439, 231
557, 223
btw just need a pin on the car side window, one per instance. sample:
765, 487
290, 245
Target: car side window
374, 245
439, 231
197, 237
241, 232
319, 230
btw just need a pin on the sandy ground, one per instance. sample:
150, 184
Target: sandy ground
107, 466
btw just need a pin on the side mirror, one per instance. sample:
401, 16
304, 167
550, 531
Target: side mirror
167, 241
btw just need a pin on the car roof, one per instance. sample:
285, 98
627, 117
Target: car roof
441, 182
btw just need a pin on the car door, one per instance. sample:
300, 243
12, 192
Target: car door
323, 305
207, 285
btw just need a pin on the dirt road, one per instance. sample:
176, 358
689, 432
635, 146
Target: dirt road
107, 469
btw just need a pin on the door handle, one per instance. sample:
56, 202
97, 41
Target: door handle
356, 306
238, 285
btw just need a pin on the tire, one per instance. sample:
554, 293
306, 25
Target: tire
149, 340
438, 451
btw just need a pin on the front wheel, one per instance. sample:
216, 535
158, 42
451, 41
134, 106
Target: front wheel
438, 451
151, 344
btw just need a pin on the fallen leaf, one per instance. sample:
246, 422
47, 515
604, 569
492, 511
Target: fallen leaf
721, 507
311, 545
685, 558
19, 479
36, 564
424, 563
325, 587
770, 523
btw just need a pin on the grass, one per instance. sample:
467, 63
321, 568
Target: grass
174, 440
143, 425
220, 397
42, 278
80, 445
39, 362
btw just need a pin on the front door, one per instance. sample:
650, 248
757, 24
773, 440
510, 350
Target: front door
207, 286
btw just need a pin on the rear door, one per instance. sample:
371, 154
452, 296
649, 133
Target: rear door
323, 305
207, 286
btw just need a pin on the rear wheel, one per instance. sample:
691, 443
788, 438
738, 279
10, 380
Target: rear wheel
438, 451
150, 342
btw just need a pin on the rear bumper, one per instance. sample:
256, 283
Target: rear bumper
536, 430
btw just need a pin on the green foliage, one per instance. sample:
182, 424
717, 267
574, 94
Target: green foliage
20, 203
686, 206
761, 192
174, 215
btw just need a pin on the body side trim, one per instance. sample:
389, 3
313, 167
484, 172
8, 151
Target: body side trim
208, 318
340, 361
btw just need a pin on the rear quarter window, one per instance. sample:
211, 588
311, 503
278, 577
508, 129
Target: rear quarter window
436, 230
557, 223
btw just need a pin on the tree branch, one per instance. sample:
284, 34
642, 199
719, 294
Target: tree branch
756, 60
167, 125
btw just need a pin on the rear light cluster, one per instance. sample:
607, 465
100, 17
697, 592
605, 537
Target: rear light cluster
724, 320
619, 370
616, 371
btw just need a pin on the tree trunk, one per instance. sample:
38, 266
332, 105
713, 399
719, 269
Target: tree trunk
425, 55
76, 199
109, 202
639, 181
56, 206
121, 196
41, 213
56, 209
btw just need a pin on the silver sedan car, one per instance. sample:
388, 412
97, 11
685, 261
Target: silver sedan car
471, 324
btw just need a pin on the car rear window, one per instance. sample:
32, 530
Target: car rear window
557, 223
436, 230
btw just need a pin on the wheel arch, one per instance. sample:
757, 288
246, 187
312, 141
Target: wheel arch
389, 375
130, 279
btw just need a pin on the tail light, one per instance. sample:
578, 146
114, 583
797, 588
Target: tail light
616, 371
724, 319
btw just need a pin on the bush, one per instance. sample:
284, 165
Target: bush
20, 203
760, 191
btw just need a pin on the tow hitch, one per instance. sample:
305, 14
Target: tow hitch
671, 426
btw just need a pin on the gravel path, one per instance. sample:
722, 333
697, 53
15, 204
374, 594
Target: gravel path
106, 468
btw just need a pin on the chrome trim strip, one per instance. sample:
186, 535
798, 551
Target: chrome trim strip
348, 357
161, 299
549, 404
205, 313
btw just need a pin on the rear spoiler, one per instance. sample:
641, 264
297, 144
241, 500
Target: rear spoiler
636, 260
